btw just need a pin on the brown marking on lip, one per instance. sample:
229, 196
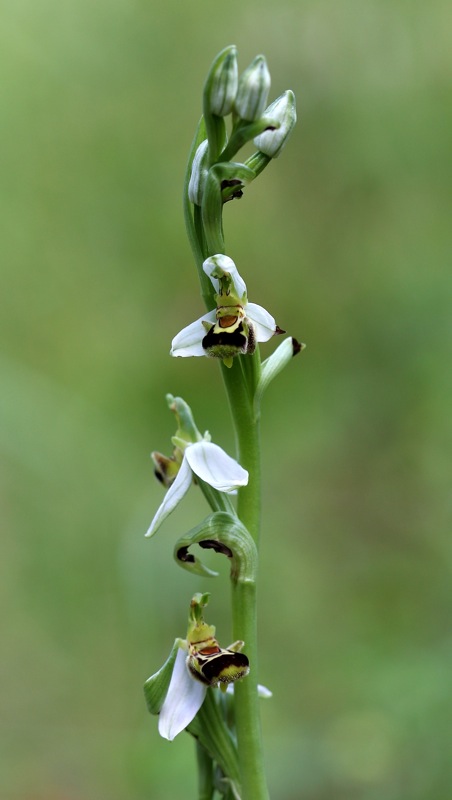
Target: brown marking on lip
210, 651
226, 322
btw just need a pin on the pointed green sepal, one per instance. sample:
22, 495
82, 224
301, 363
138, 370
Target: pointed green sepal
225, 534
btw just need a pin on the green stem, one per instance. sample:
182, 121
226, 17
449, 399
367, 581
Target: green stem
244, 599
206, 236
247, 712
240, 381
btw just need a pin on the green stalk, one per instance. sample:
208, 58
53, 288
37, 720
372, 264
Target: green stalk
244, 597
205, 230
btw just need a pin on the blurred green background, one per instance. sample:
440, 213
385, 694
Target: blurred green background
346, 240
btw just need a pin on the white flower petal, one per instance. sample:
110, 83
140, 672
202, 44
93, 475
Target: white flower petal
264, 323
173, 496
184, 699
210, 463
225, 264
188, 342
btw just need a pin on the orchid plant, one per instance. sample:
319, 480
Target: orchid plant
210, 691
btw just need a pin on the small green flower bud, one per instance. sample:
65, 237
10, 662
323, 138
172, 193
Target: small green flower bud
199, 170
221, 84
253, 88
282, 110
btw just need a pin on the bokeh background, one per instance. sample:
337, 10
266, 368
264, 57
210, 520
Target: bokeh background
346, 239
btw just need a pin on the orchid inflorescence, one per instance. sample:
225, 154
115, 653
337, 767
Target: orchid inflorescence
184, 692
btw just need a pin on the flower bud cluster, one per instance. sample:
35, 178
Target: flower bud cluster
245, 98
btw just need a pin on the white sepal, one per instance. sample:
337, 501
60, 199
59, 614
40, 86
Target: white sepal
173, 496
210, 463
184, 699
188, 342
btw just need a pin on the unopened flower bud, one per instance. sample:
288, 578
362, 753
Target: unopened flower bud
283, 110
199, 170
221, 84
253, 88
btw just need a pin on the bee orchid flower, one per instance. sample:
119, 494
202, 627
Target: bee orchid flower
177, 691
211, 464
234, 326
